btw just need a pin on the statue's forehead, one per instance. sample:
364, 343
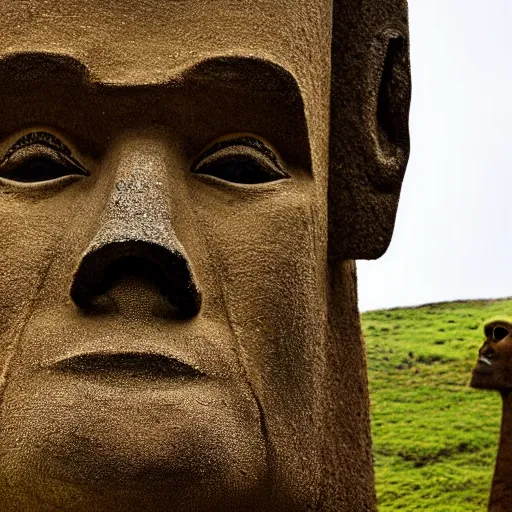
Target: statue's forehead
146, 41
503, 321
135, 42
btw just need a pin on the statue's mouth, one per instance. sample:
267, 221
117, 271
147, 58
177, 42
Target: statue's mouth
484, 365
106, 350
145, 365
484, 360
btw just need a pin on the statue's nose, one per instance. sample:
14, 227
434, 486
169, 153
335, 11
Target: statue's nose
135, 239
488, 351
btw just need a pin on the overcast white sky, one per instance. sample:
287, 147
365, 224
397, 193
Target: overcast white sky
453, 235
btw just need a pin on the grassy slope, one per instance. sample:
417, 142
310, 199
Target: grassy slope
435, 439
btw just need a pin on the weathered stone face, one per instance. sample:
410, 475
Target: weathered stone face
179, 330
494, 367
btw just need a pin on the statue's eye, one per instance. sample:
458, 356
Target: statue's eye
39, 157
244, 160
242, 168
499, 333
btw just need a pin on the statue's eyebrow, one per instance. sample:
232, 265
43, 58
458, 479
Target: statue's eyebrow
254, 73
260, 80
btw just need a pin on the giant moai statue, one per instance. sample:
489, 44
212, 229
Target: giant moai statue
184, 186
494, 371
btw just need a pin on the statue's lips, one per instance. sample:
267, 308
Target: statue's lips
147, 365
158, 350
484, 365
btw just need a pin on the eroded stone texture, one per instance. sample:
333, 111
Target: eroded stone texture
494, 371
183, 188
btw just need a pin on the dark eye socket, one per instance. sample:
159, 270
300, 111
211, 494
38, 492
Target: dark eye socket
39, 157
498, 333
38, 169
243, 160
243, 169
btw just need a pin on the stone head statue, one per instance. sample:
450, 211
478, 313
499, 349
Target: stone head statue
184, 186
494, 367
494, 371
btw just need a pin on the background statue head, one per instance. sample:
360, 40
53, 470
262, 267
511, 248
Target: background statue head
183, 188
494, 371
494, 367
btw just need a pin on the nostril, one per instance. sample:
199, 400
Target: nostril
130, 280
167, 271
131, 267
489, 352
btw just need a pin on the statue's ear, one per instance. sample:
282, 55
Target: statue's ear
369, 146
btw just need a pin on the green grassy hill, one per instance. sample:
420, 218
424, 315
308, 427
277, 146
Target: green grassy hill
435, 439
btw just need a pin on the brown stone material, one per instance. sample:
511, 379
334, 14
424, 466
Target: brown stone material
494, 371
184, 186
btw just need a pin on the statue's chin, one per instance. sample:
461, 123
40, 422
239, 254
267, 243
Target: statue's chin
484, 377
80, 445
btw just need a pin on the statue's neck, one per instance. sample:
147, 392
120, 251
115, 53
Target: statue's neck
501, 492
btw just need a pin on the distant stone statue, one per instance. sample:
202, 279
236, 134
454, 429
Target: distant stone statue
184, 186
494, 371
